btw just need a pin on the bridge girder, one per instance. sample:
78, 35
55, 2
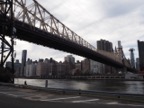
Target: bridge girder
38, 17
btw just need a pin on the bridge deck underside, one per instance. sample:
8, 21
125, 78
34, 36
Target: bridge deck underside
40, 37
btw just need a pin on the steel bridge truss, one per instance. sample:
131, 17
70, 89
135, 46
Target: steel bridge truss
38, 17
7, 28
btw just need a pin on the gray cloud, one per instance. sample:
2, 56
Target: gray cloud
113, 8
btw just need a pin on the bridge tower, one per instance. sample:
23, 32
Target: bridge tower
7, 29
122, 57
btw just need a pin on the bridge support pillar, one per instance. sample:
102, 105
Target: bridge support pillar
7, 45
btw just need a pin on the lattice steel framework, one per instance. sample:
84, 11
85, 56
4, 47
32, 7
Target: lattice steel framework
38, 17
7, 27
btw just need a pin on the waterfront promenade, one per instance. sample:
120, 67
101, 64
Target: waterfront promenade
20, 96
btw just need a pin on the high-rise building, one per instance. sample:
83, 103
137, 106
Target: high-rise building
119, 45
132, 59
85, 66
141, 54
108, 47
24, 55
30, 68
41, 69
70, 59
45, 68
17, 67
137, 64
104, 45
61, 69
120, 51
95, 67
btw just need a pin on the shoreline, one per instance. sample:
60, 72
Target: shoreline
83, 78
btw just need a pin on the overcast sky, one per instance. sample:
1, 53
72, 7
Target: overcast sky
93, 20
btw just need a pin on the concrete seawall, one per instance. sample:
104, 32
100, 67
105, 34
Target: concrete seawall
100, 94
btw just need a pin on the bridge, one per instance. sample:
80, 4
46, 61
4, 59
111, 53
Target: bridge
34, 23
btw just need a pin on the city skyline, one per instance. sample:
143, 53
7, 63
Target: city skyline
49, 67
65, 53
120, 20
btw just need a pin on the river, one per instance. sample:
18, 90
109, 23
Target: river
132, 87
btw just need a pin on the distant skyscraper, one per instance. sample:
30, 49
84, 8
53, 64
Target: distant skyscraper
141, 54
24, 55
119, 45
137, 64
104, 45
70, 59
120, 49
132, 59
17, 67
